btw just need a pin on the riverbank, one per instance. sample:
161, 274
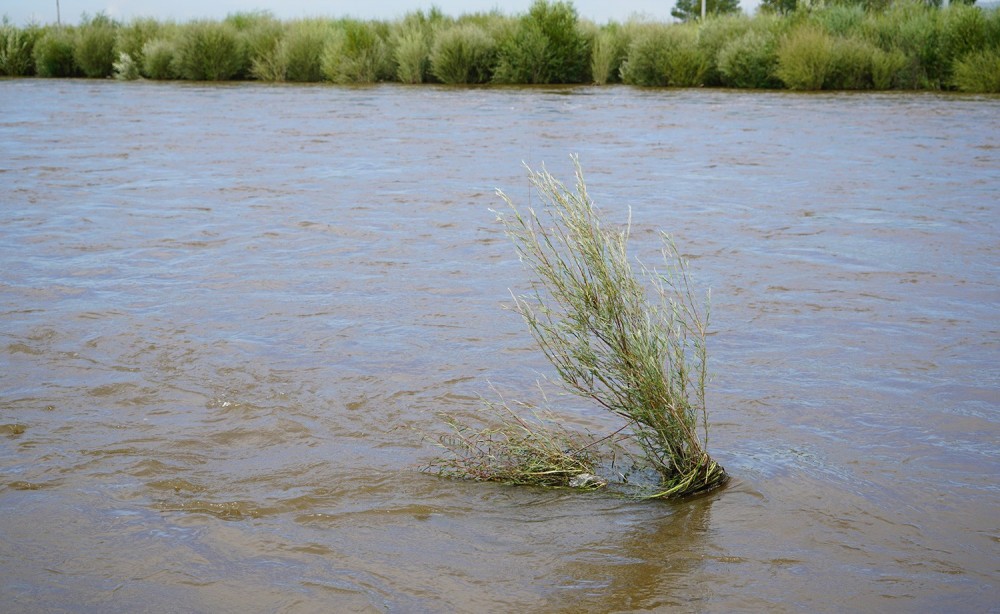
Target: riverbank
908, 46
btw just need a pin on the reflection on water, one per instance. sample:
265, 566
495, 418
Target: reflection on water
230, 312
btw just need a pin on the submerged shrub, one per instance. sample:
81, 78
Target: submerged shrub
53, 54
357, 53
590, 314
463, 54
158, 59
805, 58
16, 49
850, 65
210, 51
978, 71
513, 449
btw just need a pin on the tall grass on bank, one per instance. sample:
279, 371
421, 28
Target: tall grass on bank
358, 53
609, 49
590, 315
464, 53
547, 46
131, 39
410, 41
210, 51
899, 44
54, 54
664, 55
94, 47
158, 59
16, 49
979, 71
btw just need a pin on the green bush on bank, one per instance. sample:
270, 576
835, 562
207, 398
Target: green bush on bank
53, 54
548, 45
410, 41
608, 51
131, 38
979, 71
358, 53
464, 53
210, 51
662, 55
17, 48
158, 59
94, 46
750, 59
904, 44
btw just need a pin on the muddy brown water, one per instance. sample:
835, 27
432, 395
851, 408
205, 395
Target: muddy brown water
228, 312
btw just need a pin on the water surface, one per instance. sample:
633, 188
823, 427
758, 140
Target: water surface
228, 314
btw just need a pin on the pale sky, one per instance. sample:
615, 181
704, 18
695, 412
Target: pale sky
44, 11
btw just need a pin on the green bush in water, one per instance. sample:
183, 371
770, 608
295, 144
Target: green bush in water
590, 313
463, 53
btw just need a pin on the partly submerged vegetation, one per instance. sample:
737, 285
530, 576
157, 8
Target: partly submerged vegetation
590, 313
903, 44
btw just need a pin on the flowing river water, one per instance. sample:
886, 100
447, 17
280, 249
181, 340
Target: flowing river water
231, 315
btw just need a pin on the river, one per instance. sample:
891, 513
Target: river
230, 316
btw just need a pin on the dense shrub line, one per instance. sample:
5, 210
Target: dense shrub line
908, 45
